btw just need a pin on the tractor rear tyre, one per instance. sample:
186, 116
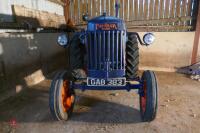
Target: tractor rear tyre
61, 97
132, 56
148, 97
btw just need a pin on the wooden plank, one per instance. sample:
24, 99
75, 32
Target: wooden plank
167, 6
146, 10
126, 11
184, 10
189, 6
131, 10
161, 9
75, 11
156, 21
178, 7
108, 7
156, 10
60, 2
102, 6
152, 28
140, 10
98, 7
159, 21
135, 10
151, 10
93, 8
160, 28
112, 4
35, 18
172, 8
196, 39
82, 7
121, 9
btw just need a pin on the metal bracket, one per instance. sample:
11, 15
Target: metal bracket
138, 37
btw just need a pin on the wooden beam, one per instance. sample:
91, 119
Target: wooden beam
159, 28
196, 39
159, 21
60, 2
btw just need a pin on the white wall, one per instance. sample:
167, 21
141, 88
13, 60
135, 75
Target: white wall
170, 51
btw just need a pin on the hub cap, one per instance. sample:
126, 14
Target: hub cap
67, 97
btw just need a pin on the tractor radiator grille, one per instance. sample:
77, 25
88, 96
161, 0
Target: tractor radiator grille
106, 50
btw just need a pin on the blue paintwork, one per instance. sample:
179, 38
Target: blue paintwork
106, 74
106, 48
106, 54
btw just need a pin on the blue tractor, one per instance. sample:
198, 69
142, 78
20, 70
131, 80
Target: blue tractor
104, 56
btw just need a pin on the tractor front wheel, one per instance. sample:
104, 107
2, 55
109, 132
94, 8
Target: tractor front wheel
148, 96
61, 97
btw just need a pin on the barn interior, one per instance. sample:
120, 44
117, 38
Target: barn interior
30, 57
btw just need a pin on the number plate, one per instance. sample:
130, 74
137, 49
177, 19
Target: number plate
108, 82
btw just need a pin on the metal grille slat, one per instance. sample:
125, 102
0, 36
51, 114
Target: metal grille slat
106, 47
90, 50
95, 50
124, 50
99, 49
104, 44
113, 48
121, 49
117, 44
108, 43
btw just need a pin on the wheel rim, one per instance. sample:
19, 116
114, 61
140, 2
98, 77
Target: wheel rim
144, 97
67, 97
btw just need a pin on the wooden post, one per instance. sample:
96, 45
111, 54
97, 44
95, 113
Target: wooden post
196, 38
66, 9
68, 20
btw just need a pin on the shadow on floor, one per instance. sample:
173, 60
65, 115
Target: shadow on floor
32, 106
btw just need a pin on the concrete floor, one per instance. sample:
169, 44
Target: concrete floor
107, 111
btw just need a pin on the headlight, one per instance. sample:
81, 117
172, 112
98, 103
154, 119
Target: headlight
148, 38
63, 40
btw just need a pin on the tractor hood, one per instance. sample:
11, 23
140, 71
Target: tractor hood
105, 23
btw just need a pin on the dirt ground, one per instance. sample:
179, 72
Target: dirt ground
107, 111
